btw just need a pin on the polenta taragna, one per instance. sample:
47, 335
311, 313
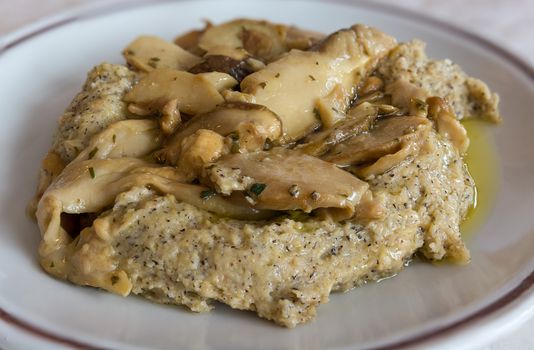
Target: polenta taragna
259, 165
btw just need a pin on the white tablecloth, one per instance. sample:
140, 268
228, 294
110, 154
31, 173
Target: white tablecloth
510, 23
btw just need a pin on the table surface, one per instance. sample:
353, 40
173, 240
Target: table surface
510, 23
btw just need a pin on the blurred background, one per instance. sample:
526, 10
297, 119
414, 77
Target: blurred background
509, 23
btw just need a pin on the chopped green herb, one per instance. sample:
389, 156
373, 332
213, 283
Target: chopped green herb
207, 194
277, 75
312, 77
155, 59
235, 147
263, 84
92, 172
114, 280
257, 188
234, 135
93, 152
114, 138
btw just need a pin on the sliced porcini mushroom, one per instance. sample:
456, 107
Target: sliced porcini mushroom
358, 120
147, 53
388, 136
140, 111
331, 108
231, 96
236, 53
389, 161
261, 44
408, 97
92, 185
221, 81
280, 180
370, 85
238, 69
197, 150
170, 117
194, 93
255, 64
447, 125
127, 138
252, 124
301, 39
291, 85
189, 40
51, 167
261, 38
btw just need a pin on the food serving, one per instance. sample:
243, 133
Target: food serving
261, 166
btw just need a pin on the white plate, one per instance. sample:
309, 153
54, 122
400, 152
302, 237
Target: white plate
445, 306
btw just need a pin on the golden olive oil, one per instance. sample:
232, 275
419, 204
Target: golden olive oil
482, 162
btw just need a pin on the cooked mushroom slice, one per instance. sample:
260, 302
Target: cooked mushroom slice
199, 149
253, 125
331, 108
193, 93
370, 85
447, 124
261, 38
92, 185
170, 118
127, 138
221, 81
231, 96
281, 180
291, 85
387, 136
408, 97
147, 53
359, 119
300, 39
189, 40
51, 167
238, 69
236, 53
389, 161
255, 64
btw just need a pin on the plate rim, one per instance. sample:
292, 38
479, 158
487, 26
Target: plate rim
484, 317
